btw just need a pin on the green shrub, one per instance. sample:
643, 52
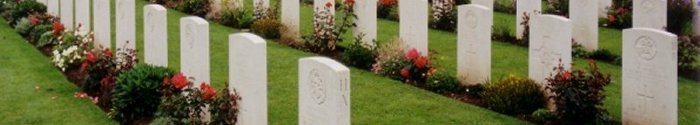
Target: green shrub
543, 116
23, 26
360, 54
47, 38
384, 7
444, 15
25, 8
578, 95
137, 93
688, 50
268, 28
557, 7
680, 15
619, 15
443, 82
237, 18
196, 7
37, 31
224, 109
513, 95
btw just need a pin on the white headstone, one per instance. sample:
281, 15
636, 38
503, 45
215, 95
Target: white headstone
474, 43
67, 14
649, 13
324, 92
103, 22
366, 11
126, 24
603, 6
649, 77
550, 42
52, 7
194, 48
585, 23
321, 4
532, 8
414, 25
696, 18
486, 3
290, 14
82, 15
248, 76
155, 36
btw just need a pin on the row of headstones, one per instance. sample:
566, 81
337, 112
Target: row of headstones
324, 84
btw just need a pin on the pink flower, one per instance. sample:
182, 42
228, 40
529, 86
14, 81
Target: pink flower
412, 54
405, 73
329, 4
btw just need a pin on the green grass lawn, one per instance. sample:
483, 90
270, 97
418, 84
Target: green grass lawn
32, 91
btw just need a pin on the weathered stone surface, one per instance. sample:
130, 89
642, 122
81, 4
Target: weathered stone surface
155, 36
248, 76
324, 92
550, 45
474, 43
414, 25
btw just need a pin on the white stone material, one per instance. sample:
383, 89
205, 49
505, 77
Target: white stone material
126, 24
103, 22
603, 6
52, 7
474, 43
320, 4
324, 92
696, 18
67, 14
649, 13
486, 3
155, 36
532, 8
194, 49
290, 14
585, 23
248, 76
649, 77
550, 42
82, 15
414, 25
366, 11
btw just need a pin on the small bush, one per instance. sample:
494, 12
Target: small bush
578, 96
506, 8
680, 15
196, 7
513, 95
444, 15
137, 93
543, 116
557, 7
619, 15
359, 54
237, 18
23, 27
688, 51
384, 7
388, 56
25, 8
525, 40
266, 27
289, 37
38, 30
224, 110
443, 82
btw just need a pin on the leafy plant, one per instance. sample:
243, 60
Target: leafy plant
266, 27
325, 36
443, 82
619, 15
578, 96
237, 18
513, 95
359, 54
224, 110
384, 7
289, 37
388, 58
444, 15
25, 8
196, 7
23, 26
680, 16
543, 116
103, 69
137, 93
688, 51
525, 40
557, 7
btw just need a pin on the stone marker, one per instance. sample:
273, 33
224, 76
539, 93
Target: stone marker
82, 15
248, 76
366, 11
67, 14
486, 3
474, 43
126, 24
550, 42
290, 14
414, 25
320, 4
103, 22
155, 35
585, 23
649, 13
532, 8
324, 92
649, 77
52, 7
194, 48
603, 6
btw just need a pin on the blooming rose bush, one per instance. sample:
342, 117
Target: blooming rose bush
444, 15
72, 47
412, 68
578, 95
325, 36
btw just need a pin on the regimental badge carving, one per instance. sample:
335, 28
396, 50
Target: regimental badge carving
471, 19
645, 47
318, 90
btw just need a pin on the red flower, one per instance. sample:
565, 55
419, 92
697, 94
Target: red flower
329, 4
566, 75
57, 28
90, 57
35, 21
84, 66
431, 71
421, 62
412, 54
591, 61
207, 92
405, 73
179, 81
350, 3
620, 10
166, 81
107, 53
611, 18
